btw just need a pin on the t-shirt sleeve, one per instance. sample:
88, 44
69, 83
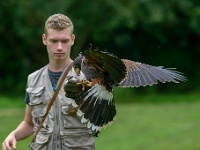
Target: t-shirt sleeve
26, 98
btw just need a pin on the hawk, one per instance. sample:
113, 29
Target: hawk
103, 72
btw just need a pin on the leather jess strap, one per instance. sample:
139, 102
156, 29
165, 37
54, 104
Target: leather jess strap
52, 100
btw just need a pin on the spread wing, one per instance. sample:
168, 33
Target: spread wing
140, 74
110, 63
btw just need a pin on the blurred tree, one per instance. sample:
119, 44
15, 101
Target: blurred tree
159, 33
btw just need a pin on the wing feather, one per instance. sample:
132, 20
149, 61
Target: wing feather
143, 74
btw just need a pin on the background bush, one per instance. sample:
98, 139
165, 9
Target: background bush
150, 31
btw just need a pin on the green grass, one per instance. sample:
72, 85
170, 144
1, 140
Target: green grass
11, 102
164, 126
139, 126
10, 118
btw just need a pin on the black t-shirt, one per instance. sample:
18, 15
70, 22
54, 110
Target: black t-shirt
54, 77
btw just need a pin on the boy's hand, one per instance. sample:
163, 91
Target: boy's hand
74, 87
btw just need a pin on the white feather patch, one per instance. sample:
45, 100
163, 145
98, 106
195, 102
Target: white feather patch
102, 93
96, 128
74, 105
89, 124
80, 113
84, 120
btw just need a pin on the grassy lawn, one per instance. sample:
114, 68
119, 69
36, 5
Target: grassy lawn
10, 118
139, 126
165, 126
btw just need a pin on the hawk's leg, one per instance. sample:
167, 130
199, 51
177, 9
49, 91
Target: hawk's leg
85, 84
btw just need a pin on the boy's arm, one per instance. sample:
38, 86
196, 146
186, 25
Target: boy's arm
24, 130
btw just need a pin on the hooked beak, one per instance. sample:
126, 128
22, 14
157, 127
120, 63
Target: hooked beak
77, 70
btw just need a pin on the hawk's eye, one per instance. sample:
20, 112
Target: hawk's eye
76, 67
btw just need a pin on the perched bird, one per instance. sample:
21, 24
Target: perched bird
103, 72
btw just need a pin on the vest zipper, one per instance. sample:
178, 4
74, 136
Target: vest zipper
57, 118
58, 146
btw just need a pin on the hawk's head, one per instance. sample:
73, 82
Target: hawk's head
77, 64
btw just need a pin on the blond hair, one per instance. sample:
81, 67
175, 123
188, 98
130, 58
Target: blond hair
58, 22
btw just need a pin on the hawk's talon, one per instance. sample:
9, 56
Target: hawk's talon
85, 83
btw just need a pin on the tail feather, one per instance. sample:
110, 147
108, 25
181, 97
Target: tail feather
112, 112
80, 100
86, 104
90, 110
96, 108
99, 114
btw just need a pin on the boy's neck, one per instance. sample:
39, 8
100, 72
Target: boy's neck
59, 66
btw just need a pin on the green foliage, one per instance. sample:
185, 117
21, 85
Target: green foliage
159, 33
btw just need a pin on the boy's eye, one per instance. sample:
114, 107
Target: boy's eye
65, 41
53, 41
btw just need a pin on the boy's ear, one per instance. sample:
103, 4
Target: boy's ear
44, 39
73, 39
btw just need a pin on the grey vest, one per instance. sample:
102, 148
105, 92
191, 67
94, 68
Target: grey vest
62, 129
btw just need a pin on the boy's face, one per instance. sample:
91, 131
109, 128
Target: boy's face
58, 43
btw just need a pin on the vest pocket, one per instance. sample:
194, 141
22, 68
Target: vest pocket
79, 141
37, 113
41, 143
35, 95
37, 100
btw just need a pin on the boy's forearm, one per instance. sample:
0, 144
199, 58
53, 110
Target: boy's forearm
23, 131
